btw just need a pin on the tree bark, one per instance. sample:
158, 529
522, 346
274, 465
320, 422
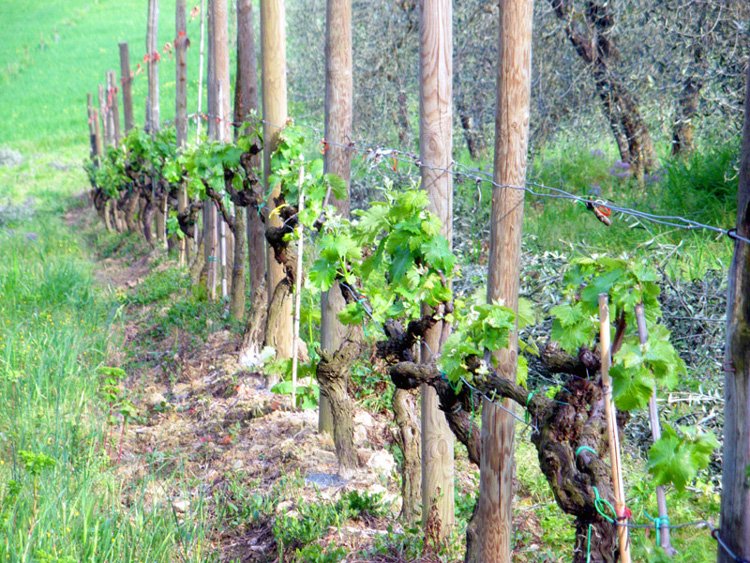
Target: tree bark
273, 54
735, 479
338, 134
408, 438
237, 298
332, 374
494, 513
436, 146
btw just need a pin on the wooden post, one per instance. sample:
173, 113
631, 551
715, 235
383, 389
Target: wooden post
735, 497
152, 51
92, 129
245, 102
273, 55
338, 132
103, 114
181, 43
653, 414
97, 135
298, 282
201, 55
490, 528
126, 81
612, 431
114, 106
435, 149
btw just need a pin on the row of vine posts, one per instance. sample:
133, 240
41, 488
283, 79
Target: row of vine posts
427, 483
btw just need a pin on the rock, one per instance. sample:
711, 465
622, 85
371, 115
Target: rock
364, 418
10, 157
181, 506
284, 507
156, 401
382, 462
360, 435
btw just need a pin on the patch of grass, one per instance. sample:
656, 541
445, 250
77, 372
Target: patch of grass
159, 285
60, 497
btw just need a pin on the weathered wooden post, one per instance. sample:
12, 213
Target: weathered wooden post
735, 496
126, 82
114, 106
102, 96
338, 132
245, 102
436, 155
273, 56
181, 43
152, 54
92, 127
490, 527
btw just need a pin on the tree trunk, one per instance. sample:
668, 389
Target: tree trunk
126, 80
338, 133
278, 320
405, 413
735, 498
495, 508
273, 54
332, 374
591, 33
436, 146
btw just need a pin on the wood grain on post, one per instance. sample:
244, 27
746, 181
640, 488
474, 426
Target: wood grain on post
612, 431
114, 106
493, 517
338, 133
97, 135
246, 102
735, 497
126, 83
436, 155
273, 55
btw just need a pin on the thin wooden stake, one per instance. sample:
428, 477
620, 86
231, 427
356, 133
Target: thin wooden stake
653, 414
297, 289
126, 80
201, 55
614, 438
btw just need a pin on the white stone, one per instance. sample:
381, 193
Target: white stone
382, 462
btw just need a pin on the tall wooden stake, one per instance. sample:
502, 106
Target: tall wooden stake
338, 133
114, 106
92, 129
101, 91
490, 528
735, 497
246, 102
436, 147
298, 282
612, 432
125, 82
152, 50
653, 414
181, 43
201, 56
273, 54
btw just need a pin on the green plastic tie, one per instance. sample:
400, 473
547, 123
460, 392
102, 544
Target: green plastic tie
600, 502
585, 449
658, 523
212, 258
588, 544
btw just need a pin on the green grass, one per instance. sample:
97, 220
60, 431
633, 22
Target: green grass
53, 53
54, 331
